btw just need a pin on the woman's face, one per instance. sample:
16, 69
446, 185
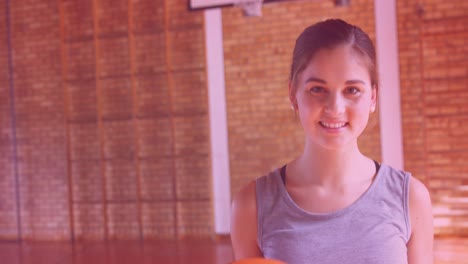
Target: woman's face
334, 97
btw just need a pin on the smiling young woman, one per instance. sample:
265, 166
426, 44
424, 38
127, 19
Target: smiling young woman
334, 97
332, 204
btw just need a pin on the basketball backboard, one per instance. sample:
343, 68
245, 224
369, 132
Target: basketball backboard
250, 7
203, 4
206, 4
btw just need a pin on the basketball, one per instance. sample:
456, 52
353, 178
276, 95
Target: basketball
258, 261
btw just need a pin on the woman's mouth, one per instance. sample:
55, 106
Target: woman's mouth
333, 125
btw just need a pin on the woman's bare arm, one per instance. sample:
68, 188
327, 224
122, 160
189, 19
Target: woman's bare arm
420, 245
244, 224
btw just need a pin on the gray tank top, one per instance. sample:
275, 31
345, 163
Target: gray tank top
374, 229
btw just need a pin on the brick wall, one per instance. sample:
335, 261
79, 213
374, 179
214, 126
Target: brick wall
8, 208
39, 105
112, 121
434, 84
264, 132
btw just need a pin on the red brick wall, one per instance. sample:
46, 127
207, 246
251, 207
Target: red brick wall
39, 105
263, 131
434, 86
112, 121
8, 208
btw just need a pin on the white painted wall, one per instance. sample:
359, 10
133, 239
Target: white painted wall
389, 97
218, 120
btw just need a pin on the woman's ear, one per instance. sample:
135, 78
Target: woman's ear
292, 96
374, 98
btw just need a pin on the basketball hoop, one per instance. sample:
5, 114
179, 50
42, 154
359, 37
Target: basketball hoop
251, 8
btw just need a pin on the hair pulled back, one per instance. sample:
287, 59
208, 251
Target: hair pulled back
329, 34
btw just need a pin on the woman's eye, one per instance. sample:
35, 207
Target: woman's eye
353, 90
317, 89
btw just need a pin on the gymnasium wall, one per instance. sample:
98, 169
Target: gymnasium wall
433, 38
110, 119
104, 112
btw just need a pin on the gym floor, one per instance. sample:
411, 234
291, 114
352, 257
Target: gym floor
447, 250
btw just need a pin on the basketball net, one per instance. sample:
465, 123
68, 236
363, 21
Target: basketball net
251, 8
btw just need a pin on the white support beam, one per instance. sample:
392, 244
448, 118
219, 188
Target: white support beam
218, 120
389, 93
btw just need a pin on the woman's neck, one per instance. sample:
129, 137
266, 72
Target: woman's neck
330, 167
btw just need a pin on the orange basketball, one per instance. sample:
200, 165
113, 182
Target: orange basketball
258, 261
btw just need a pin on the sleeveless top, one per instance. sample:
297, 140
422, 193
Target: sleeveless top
374, 229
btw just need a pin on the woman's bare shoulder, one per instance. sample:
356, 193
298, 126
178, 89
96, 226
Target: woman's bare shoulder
246, 197
420, 244
244, 223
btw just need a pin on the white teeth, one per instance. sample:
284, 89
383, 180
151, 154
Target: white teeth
333, 125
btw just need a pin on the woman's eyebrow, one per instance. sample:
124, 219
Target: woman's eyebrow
354, 82
349, 82
313, 79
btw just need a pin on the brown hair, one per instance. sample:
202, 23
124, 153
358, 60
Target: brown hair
329, 34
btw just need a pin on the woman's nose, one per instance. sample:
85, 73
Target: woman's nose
335, 104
